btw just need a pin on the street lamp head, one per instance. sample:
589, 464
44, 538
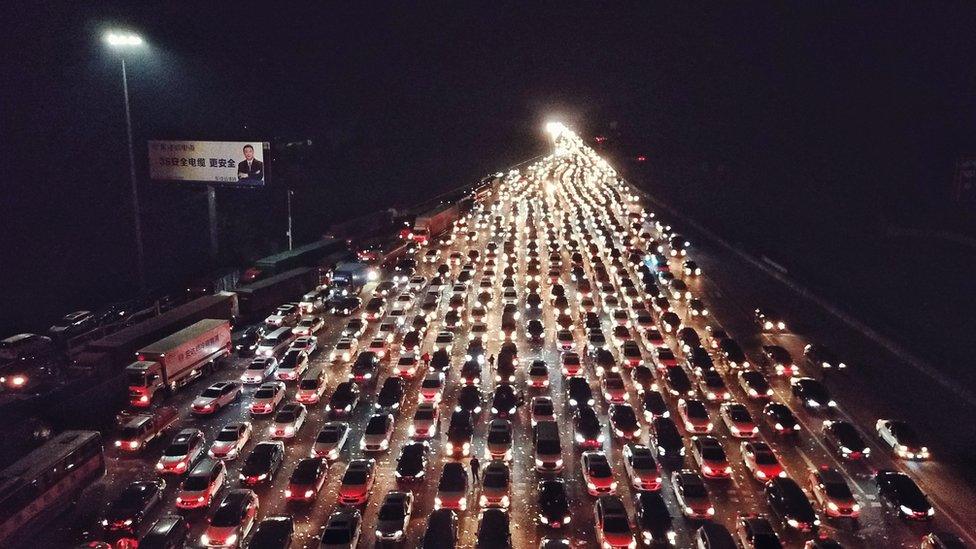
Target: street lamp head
555, 128
122, 39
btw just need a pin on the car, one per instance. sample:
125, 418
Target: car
597, 473
812, 394
215, 397
453, 487
444, 340
537, 376
697, 308
182, 452
432, 387
504, 401
440, 360
292, 365
535, 330
262, 463
312, 386
694, 416
579, 391
587, 428
170, 531
390, 396
641, 467
343, 400
623, 422
230, 440
471, 372
710, 457
342, 531
470, 400
900, 492
499, 440
233, 520
738, 420
614, 390
666, 439
267, 398
130, 507
756, 532
204, 481
288, 421
712, 385
902, 439
553, 503
653, 520
769, 321
354, 329
790, 505
307, 343
393, 518
495, 485
357, 482
631, 354
259, 369
412, 463
644, 380
781, 360
330, 441
654, 405
570, 363
664, 358
493, 530
780, 419
441, 531
690, 268
760, 460
274, 531
755, 385
541, 408
379, 347
823, 357
612, 523
344, 349
459, 433
678, 383
377, 433
942, 540
832, 493
307, 479
844, 439
733, 355
691, 494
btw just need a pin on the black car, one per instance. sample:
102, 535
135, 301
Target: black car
127, 511
342, 529
535, 329
246, 341
391, 395
678, 382
493, 531
343, 400
653, 519
440, 360
365, 368
553, 503
823, 357
263, 462
470, 399
843, 437
588, 427
505, 402
471, 372
780, 419
533, 304
580, 393
275, 532
169, 532
624, 421
899, 491
505, 367
790, 505
643, 379
733, 354
667, 440
442, 530
654, 405
812, 394
459, 432
412, 463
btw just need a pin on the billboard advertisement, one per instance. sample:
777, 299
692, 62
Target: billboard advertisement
239, 163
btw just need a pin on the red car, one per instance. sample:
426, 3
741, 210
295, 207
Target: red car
357, 482
571, 364
694, 416
597, 473
761, 461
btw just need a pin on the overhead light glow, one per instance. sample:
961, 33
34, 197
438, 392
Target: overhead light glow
116, 38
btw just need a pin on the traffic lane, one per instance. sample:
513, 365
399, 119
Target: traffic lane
860, 394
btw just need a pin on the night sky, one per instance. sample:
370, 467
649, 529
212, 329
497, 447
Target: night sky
789, 127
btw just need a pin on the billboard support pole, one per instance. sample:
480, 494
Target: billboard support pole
212, 218
288, 194
140, 259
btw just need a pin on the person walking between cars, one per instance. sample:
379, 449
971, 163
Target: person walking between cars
474, 470
491, 361
425, 358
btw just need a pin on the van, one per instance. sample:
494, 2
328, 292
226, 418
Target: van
276, 342
548, 448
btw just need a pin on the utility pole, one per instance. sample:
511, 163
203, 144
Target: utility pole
288, 194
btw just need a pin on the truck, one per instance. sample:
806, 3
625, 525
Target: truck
434, 222
302, 256
175, 361
108, 356
258, 299
350, 277
136, 431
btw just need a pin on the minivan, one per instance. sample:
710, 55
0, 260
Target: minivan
548, 449
276, 342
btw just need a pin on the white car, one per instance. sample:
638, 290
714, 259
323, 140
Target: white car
215, 397
425, 421
377, 434
230, 440
309, 344
330, 440
432, 388
267, 398
378, 346
260, 369
416, 284
403, 301
445, 340
406, 366
309, 325
288, 421
398, 316
292, 366
542, 409
344, 350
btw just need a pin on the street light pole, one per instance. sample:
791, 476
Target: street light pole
136, 218
288, 193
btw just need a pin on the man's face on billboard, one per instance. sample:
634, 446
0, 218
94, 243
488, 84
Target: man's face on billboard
248, 153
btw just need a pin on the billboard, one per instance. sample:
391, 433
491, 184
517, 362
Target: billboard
240, 163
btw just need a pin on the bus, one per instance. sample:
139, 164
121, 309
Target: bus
46, 481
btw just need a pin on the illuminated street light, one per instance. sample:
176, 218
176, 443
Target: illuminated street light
555, 128
123, 41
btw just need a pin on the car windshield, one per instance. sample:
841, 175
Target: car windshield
713, 453
600, 468
615, 523
257, 366
499, 436
176, 450
227, 515
496, 480
376, 426
764, 457
264, 393
211, 392
131, 498
431, 383
644, 462
452, 481
740, 415
286, 416
391, 511
328, 435
355, 476
305, 473
838, 490
694, 490
336, 536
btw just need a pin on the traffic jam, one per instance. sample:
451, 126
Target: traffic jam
544, 371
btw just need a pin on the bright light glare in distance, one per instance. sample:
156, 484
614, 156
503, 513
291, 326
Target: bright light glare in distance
116, 38
555, 128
